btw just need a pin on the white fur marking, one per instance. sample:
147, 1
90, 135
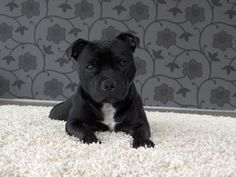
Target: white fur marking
108, 113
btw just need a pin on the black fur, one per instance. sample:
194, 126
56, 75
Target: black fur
112, 63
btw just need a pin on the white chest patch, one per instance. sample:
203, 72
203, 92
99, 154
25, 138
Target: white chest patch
108, 114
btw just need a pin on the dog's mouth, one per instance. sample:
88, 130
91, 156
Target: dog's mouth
109, 97
99, 95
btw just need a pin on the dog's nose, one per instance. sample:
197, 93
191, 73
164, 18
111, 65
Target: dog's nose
108, 85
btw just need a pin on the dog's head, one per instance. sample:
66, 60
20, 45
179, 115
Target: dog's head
106, 68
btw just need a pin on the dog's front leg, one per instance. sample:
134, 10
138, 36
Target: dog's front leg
81, 131
141, 137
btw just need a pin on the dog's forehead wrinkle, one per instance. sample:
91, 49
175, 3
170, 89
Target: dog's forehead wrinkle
104, 44
109, 48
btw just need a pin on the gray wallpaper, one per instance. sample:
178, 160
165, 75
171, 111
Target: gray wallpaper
187, 56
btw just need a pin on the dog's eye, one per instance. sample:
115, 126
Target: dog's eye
122, 63
90, 67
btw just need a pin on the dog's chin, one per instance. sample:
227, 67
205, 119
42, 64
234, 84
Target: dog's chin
111, 100
108, 99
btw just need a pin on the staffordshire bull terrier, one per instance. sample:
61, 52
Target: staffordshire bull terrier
106, 99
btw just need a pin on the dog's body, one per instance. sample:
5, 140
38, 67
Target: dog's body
106, 98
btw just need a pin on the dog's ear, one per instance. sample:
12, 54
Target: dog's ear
76, 48
131, 40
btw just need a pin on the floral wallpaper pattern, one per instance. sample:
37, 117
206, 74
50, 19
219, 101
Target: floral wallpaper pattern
187, 54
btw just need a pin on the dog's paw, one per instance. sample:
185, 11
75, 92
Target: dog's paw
143, 143
91, 139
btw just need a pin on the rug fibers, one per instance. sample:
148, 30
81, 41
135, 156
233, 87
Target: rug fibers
32, 145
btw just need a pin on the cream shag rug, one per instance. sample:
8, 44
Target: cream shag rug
186, 145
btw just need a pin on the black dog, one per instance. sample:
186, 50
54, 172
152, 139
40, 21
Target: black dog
106, 98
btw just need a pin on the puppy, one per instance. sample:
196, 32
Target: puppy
106, 99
